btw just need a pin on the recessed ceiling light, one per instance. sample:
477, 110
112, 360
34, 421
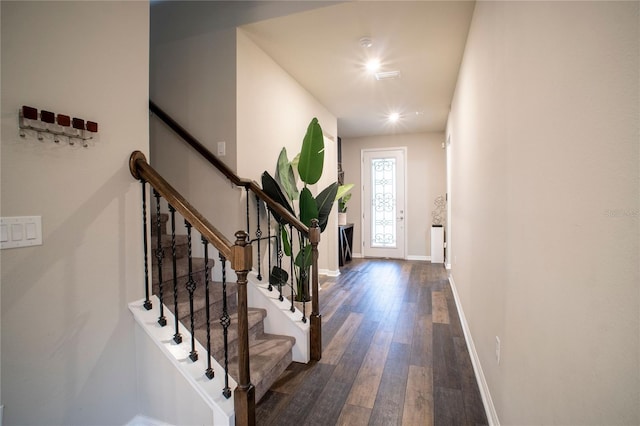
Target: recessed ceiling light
373, 65
394, 116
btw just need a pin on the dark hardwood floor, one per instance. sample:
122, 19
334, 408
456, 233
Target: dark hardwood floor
393, 353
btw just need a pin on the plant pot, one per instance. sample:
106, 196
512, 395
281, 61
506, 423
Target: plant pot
342, 218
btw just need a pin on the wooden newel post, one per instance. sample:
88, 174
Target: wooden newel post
244, 395
316, 318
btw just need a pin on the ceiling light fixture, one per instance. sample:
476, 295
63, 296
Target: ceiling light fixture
387, 75
394, 116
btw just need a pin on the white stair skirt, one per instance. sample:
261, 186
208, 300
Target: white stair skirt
280, 319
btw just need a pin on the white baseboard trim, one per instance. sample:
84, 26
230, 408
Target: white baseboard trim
329, 272
447, 266
489, 408
140, 420
423, 258
409, 257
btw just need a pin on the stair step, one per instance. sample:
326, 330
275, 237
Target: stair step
164, 217
256, 329
182, 271
199, 312
182, 247
270, 355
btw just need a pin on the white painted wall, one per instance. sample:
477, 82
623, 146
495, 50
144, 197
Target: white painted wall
170, 386
544, 180
274, 112
193, 80
426, 179
165, 394
1, 400
221, 87
68, 354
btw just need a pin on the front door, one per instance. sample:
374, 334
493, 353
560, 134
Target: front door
383, 178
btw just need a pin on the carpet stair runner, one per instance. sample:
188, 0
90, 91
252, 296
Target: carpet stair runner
270, 354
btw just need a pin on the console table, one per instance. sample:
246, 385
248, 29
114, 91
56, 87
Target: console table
345, 237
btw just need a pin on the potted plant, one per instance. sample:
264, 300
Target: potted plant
284, 190
343, 199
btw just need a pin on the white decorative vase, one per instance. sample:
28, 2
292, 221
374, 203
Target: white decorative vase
342, 218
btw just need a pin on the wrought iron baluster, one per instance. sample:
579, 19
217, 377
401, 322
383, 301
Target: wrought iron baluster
258, 236
280, 255
147, 303
303, 280
160, 256
304, 288
209, 372
191, 287
177, 337
225, 321
246, 190
293, 308
269, 246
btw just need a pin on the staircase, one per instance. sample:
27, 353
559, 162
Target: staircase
253, 358
270, 354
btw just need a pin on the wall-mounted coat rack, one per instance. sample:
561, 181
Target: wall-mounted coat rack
61, 127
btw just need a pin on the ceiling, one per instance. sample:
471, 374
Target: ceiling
317, 42
321, 49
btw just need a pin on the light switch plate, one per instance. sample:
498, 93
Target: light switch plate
17, 232
222, 149
21, 231
30, 231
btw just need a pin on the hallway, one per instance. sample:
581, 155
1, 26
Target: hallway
393, 353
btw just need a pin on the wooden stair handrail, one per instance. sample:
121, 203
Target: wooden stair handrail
225, 170
140, 169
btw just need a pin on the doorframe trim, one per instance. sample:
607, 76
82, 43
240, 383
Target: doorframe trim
406, 191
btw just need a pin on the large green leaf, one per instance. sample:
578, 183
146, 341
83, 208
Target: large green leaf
324, 203
285, 176
343, 189
308, 207
295, 161
303, 259
271, 187
312, 154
